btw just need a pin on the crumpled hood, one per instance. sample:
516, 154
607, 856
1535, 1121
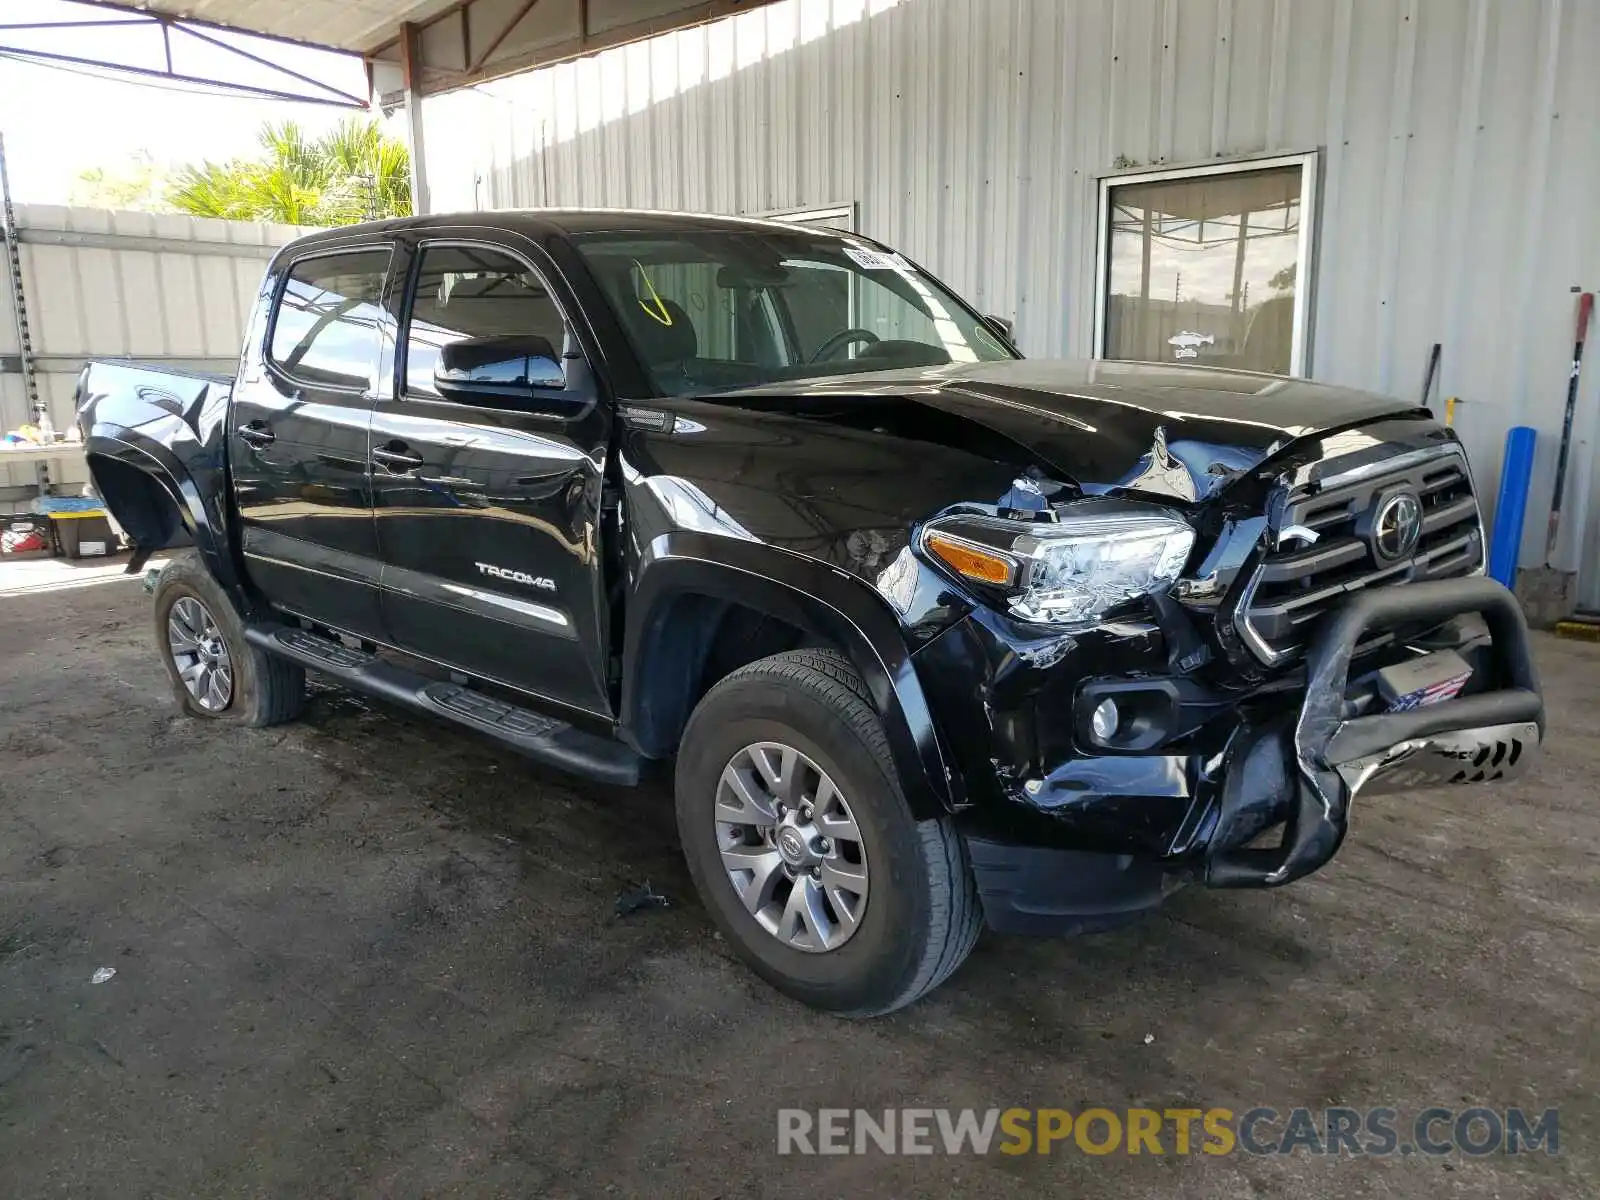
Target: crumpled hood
1172, 431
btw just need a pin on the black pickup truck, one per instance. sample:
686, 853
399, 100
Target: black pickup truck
932, 634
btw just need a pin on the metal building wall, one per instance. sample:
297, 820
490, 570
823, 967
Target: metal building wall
103, 284
1459, 163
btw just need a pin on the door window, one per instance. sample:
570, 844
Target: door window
1208, 267
481, 315
325, 331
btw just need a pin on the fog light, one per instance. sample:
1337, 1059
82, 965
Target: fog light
1103, 724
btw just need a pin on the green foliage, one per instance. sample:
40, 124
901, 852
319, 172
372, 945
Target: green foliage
352, 173
138, 185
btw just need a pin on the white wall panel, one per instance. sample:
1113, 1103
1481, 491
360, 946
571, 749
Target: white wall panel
165, 288
1459, 162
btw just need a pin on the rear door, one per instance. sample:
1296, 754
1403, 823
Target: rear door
297, 439
488, 507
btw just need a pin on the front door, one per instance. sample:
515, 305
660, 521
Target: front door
297, 440
488, 508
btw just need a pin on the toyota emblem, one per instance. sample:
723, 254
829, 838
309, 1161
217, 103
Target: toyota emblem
1398, 527
791, 845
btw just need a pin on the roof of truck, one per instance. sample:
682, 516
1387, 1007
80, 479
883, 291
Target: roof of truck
565, 221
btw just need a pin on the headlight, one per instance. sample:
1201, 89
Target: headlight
1069, 571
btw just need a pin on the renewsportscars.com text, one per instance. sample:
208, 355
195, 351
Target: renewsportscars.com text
1370, 1132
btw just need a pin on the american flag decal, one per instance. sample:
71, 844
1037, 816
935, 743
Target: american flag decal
1434, 693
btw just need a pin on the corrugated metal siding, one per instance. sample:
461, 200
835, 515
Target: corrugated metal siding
1459, 163
169, 288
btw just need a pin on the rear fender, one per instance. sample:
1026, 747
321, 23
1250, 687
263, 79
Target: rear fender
835, 607
155, 443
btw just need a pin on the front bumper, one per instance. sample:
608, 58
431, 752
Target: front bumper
1488, 736
1095, 839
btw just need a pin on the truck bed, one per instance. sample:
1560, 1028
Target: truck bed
117, 387
155, 440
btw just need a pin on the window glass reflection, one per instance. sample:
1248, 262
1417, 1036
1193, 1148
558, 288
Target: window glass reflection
326, 330
1204, 270
467, 294
713, 309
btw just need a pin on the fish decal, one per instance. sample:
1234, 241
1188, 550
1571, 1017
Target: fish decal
1188, 343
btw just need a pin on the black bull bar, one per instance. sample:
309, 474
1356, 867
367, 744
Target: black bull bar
1489, 735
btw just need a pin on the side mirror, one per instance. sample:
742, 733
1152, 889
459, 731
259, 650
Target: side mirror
1002, 327
506, 367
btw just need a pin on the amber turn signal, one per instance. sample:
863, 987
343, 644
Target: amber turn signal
971, 560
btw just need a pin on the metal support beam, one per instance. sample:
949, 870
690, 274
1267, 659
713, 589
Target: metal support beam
505, 32
411, 80
93, 240
37, 410
133, 15
328, 89
71, 364
569, 34
1238, 262
14, 45
21, 54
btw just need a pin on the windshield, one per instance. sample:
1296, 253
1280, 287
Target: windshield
713, 309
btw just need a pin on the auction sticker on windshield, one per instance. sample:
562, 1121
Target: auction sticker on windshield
877, 260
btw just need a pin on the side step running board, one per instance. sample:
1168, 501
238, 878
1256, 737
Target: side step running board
532, 733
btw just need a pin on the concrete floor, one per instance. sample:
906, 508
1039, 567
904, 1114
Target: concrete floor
359, 955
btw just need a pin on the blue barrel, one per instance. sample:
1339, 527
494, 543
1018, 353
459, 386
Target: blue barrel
1516, 476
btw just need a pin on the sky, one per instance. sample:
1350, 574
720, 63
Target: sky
58, 123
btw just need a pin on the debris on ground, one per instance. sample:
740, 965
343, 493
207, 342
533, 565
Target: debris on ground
103, 974
633, 899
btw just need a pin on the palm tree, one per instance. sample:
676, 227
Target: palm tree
138, 184
354, 172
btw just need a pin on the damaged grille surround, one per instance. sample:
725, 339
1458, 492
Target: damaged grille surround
1324, 543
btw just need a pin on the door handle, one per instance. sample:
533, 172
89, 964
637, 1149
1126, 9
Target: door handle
258, 434
396, 458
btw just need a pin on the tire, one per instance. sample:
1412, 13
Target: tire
260, 689
919, 916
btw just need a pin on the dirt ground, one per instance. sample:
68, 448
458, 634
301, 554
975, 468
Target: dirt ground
360, 955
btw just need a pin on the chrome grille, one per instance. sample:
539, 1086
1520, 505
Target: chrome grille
1294, 584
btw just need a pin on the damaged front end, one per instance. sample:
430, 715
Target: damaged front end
1220, 730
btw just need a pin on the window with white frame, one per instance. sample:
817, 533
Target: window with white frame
1208, 265
833, 216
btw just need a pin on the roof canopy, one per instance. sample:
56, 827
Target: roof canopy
453, 43
356, 26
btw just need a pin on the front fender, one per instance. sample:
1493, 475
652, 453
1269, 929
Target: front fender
822, 600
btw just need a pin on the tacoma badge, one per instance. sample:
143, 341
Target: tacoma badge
539, 581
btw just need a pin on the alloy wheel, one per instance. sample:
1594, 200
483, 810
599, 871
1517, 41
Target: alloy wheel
791, 847
200, 654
